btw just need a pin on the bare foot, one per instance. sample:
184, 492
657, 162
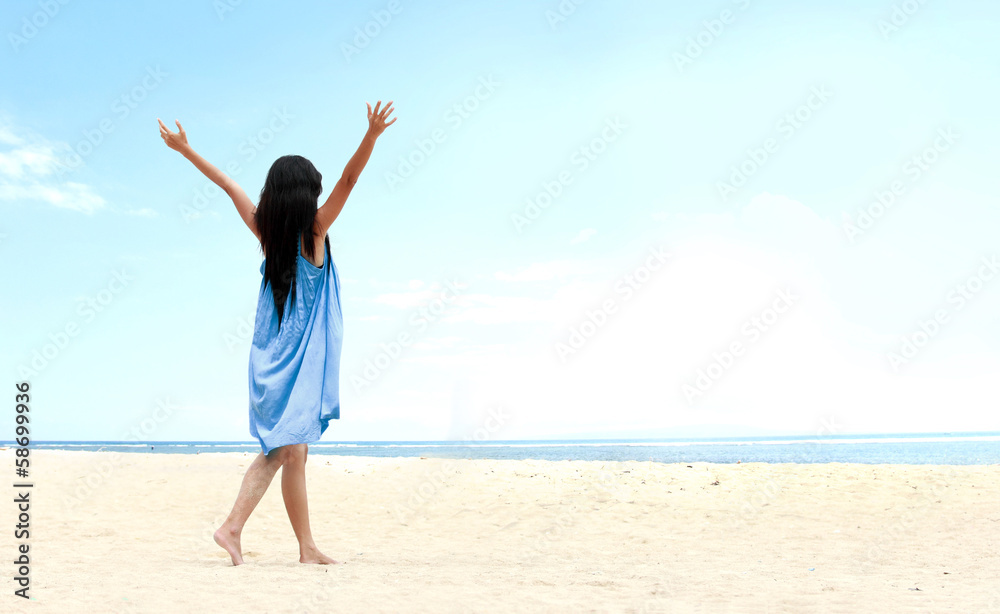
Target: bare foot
313, 555
230, 542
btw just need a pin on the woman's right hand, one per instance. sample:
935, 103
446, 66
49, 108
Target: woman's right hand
178, 141
376, 118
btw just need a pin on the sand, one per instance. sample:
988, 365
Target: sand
132, 533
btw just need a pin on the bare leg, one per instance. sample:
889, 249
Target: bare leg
258, 477
293, 490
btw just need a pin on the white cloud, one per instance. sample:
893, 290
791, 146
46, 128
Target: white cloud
439, 343
583, 236
32, 159
70, 195
402, 300
492, 309
435, 292
9, 138
817, 360
545, 271
28, 171
779, 219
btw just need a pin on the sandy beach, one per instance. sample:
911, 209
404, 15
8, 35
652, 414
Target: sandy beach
132, 533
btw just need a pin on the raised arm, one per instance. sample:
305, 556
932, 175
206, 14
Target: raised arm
334, 204
178, 142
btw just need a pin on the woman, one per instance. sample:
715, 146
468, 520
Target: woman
295, 355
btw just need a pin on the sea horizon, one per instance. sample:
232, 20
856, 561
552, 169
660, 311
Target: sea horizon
959, 448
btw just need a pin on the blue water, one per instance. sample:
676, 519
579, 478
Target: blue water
903, 448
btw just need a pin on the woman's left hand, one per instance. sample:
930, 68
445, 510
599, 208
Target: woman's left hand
177, 141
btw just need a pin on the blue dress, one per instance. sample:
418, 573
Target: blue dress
295, 372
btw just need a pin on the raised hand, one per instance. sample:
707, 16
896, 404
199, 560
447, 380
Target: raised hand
376, 119
177, 141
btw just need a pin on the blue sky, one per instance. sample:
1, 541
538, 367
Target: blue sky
626, 220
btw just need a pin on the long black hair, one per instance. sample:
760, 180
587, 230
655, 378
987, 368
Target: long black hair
286, 211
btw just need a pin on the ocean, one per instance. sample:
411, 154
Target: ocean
903, 448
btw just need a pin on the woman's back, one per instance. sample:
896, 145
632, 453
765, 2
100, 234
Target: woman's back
318, 240
294, 366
